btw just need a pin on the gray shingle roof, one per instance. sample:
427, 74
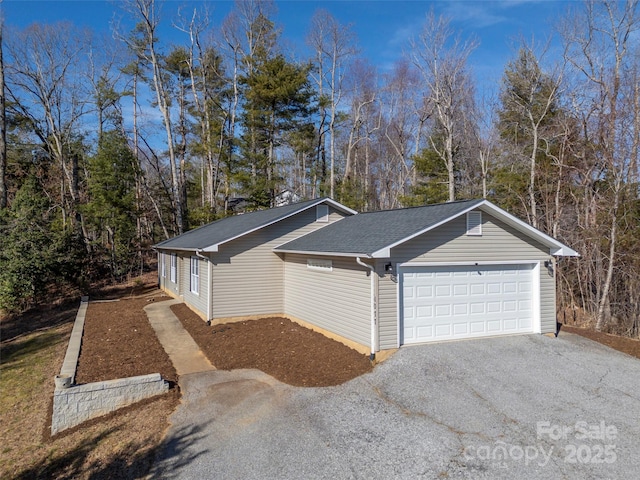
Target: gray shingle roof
228, 228
367, 233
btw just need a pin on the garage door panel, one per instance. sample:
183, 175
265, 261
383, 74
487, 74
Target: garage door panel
509, 306
443, 290
477, 308
494, 326
409, 335
460, 328
424, 292
426, 331
461, 309
443, 330
510, 324
509, 287
443, 303
477, 327
460, 290
494, 307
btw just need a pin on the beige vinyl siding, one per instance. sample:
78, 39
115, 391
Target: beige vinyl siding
165, 283
196, 301
339, 300
387, 308
162, 280
449, 243
248, 275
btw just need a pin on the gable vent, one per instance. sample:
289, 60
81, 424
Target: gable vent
322, 213
474, 223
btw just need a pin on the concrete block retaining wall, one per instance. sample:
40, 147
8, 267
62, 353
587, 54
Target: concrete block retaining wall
77, 404
74, 404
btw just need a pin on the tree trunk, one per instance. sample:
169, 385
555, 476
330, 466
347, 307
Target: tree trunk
147, 14
602, 317
3, 129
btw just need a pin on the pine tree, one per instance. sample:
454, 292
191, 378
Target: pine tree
278, 98
111, 209
529, 104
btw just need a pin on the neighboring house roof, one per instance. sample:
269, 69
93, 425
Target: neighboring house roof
209, 237
374, 234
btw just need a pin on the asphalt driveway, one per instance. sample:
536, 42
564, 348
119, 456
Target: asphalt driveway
513, 407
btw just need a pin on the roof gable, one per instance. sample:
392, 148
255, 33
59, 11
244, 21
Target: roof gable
368, 234
209, 237
375, 234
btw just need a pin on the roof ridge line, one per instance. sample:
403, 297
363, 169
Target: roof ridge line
425, 206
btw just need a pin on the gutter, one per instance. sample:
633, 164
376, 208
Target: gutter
372, 356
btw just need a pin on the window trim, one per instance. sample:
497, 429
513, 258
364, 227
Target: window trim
173, 269
163, 265
194, 276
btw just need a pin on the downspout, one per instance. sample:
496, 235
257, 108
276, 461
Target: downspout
373, 307
209, 273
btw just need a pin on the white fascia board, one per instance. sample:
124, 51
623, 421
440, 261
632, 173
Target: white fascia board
555, 247
323, 254
338, 206
176, 249
563, 252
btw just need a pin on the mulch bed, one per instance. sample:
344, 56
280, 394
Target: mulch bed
626, 345
119, 342
285, 350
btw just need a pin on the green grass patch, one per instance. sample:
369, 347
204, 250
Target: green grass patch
21, 368
26, 380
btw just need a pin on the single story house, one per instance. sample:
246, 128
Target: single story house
375, 281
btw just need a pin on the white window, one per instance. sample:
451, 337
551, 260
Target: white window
322, 213
173, 268
163, 265
319, 264
195, 278
474, 223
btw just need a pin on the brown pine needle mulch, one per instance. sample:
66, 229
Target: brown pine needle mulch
279, 347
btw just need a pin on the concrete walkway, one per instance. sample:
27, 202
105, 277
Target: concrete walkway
183, 351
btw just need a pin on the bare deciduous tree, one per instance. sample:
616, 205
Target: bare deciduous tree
146, 12
334, 46
442, 58
598, 42
46, 90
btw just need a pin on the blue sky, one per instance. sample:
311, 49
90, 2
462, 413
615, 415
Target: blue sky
382, 27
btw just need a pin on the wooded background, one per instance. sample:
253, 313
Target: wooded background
229, 120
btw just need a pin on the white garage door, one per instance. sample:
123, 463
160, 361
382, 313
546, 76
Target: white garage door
454, 302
